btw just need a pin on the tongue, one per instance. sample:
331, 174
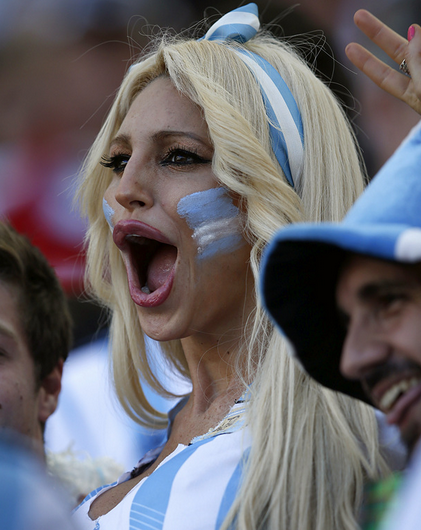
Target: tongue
160, 266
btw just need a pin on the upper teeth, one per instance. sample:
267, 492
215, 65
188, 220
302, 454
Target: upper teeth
395, 391
135, 238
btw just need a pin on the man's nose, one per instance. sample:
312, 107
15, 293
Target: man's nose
363, 349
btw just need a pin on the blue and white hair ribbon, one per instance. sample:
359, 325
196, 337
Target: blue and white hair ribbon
240, 25
285, 124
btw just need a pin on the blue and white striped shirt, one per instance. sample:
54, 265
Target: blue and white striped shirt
192, 489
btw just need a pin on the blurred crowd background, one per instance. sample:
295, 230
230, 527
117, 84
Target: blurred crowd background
61, 62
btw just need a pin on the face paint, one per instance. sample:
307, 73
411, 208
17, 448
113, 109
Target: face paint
216, 221
108, 212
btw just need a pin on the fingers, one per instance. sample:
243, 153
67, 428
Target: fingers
413, 58
383, 36
397, 48
380, 73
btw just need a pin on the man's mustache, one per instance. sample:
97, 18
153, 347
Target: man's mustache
391, 368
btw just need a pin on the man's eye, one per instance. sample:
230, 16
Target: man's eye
391, 299
182, 157
116, 162
390, 305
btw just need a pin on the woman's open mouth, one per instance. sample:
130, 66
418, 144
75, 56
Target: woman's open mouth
149, 259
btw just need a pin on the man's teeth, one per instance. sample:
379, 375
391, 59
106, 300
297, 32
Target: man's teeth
395, 391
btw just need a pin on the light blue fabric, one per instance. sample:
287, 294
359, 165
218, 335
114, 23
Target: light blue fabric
151, 501
232, 490
29, 498
240, 25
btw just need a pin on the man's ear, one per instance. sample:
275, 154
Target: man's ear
49, 391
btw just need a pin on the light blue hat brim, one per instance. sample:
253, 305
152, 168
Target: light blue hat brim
396, 242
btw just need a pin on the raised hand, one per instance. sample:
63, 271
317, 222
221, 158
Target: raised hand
393, 81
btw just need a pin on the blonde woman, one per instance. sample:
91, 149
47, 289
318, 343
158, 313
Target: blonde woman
212, 145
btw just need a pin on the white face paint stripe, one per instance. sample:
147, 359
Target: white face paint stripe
215, 220
214, 231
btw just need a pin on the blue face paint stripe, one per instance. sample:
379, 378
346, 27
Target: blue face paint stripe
224, 245
201, 207
108, 212
215, 220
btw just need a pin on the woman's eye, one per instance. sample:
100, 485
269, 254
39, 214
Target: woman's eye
117, 162
182, 157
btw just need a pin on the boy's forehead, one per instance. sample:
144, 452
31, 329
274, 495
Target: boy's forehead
11, 324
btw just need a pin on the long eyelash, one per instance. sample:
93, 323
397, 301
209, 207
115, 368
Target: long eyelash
108, 161
186, 151
116, 162
182, 148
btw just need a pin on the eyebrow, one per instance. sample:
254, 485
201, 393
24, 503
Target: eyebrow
125, 139
121, 139
162, 135
371, 291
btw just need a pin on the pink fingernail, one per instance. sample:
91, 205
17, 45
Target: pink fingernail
411, 32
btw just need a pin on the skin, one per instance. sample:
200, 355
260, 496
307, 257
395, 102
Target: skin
164, 154
381, 306
397, 48
24, 405
149, 190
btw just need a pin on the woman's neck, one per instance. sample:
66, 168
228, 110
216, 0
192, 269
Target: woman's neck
212, 366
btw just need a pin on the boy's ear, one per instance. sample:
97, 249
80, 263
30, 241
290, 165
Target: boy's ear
49, 391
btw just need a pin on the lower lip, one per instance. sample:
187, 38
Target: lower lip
154, 299
400, 410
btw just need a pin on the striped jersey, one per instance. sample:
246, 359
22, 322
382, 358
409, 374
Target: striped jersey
192, 489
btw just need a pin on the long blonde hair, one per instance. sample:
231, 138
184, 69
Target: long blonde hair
311, 448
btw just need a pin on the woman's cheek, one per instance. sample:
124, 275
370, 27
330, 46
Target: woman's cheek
216, 222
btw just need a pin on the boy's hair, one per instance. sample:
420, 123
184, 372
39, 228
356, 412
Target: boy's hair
42, 304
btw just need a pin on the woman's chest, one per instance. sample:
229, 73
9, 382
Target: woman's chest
191, 489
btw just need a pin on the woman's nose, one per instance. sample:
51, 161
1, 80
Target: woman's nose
134, 188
